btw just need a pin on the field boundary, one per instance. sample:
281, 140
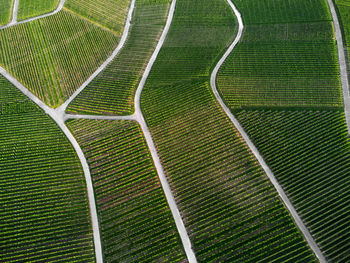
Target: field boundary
140, 118
342, 63
310, 240
15, 11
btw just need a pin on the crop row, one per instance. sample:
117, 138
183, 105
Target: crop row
309, 152
110, 14
295, 71
44, 211
53, 56
31, 8
231, 210
135, 220
112, 91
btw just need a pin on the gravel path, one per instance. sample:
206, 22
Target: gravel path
252, 147
15, 11
342, 64
60, 122
139, 116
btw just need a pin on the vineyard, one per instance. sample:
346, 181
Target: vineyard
44, 210
230, 209
32, 8
53, 56
282, 83
110, 14
5, 11
112, 91
135, 220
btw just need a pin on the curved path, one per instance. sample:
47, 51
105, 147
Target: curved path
139, 116
60, 122
252, 147
342, 63
15, 11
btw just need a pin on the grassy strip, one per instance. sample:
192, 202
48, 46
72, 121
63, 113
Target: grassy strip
32, 8
5, 11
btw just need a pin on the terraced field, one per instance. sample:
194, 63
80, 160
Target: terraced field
32, 8
287, 95
230, 209
53, 56
5, 11
112, 91
44, 209
135, 220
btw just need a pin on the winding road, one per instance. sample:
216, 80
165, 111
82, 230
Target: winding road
60, 117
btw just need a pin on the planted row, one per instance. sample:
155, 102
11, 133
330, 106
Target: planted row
135, 220
44, 213
112, 91
231, 211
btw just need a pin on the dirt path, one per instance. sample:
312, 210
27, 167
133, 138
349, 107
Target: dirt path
14, 12
252, 147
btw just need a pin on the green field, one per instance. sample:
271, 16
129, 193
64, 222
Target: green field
309, 152
53, 56
282, 82
112, 91
135, 220
32, 8
5, 11
230, 209
109, 14
44, 213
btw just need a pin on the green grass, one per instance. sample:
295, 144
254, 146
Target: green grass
44, 213
309, 152
230, 208
53, 56
32, 8
112, 91
5, 11
110, 14
135, 220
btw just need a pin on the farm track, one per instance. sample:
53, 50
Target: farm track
15, 11
59, 116
251, 145
342, 63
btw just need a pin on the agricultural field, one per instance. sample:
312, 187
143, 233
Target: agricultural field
309, 152
110, 14
5, 11
282, 82
32, 8
44, 209
112, 91
53, 56
230, 209
135, 220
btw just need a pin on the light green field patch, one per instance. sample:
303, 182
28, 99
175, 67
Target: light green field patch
31, 8
5, 11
